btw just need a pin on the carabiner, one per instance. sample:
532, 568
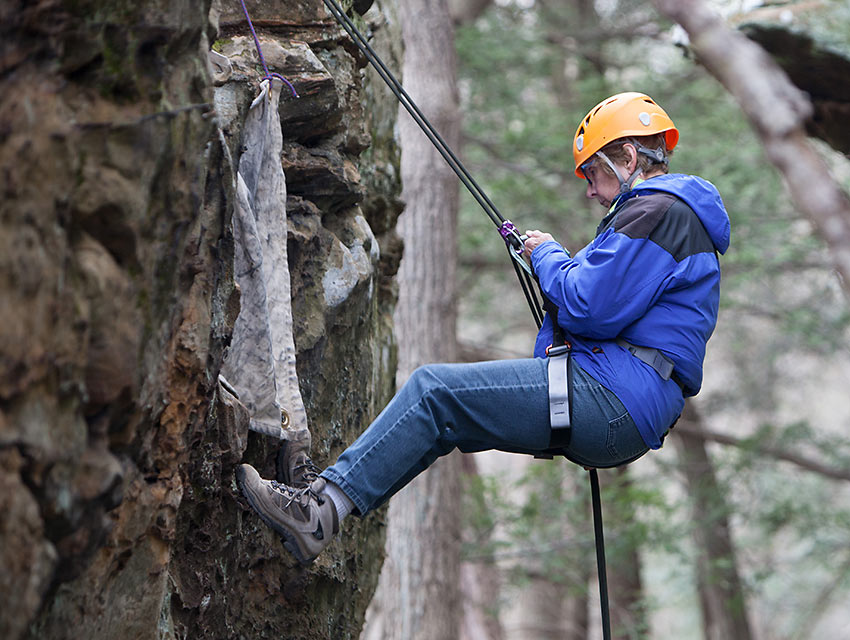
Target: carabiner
515, 243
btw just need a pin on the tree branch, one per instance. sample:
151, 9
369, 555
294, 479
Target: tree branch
822, 602
777, 111
686, 429
498, 155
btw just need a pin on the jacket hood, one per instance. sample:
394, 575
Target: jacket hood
701, 196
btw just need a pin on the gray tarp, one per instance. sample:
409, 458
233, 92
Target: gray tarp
260, 364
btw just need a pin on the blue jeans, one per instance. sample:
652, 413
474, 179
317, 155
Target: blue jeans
501, 405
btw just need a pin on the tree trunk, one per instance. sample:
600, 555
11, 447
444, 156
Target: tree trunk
576, 609
577, 58
628, 613
466, 11
542, 602
418, 593
721, 593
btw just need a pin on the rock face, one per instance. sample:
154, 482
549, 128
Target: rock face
118, 147
823, 72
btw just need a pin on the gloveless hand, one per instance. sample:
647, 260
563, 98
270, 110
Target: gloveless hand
534, 240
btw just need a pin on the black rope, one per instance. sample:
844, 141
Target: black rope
600, 554
512, 239
525, 279
414, 111
527, 286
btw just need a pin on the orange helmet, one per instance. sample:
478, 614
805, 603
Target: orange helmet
620, 116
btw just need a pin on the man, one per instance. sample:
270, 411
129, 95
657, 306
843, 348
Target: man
635, 308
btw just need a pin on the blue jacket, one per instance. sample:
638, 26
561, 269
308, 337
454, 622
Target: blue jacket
651, 276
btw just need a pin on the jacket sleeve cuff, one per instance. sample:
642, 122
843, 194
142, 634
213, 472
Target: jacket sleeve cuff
545, 249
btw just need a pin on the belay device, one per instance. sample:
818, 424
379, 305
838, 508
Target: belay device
559, 352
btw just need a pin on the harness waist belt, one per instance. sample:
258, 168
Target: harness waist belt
651, 356
559, 391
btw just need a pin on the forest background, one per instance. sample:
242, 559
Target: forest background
123, 129
772, 414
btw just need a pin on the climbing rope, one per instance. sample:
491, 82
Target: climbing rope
513, 240
269, 76
600, 554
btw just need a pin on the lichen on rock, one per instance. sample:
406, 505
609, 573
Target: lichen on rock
117, 443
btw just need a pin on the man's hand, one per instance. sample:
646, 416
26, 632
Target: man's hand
535, 239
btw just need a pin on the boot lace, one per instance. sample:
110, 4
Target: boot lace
295, 495
308, 470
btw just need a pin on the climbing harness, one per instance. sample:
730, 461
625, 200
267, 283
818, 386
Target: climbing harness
560, 381
559, 352
653, 357
559, 396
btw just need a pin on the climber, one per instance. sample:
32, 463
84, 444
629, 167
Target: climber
634, 310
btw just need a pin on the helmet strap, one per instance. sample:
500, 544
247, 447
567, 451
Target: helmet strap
657, 155
625, 184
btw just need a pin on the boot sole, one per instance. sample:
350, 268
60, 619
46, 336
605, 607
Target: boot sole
289, 540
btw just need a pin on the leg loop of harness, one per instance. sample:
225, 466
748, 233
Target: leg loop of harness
559, 396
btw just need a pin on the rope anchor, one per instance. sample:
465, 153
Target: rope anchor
269, 75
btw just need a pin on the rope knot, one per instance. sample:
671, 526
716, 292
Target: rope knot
269, 75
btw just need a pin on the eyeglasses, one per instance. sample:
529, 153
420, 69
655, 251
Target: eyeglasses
584, 169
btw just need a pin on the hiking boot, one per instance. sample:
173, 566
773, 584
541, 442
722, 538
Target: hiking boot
306, 519
294, 467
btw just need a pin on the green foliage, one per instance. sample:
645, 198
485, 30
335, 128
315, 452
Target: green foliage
528, 73
544, 522
519, 126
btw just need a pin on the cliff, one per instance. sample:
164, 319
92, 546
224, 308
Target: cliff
809, 41
118, 299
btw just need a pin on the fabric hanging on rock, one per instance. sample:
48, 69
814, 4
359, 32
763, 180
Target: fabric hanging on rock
260, 363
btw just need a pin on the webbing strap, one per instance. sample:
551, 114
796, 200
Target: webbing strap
559, 391
651, 356
559, 379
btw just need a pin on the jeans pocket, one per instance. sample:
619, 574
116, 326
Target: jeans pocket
624, 441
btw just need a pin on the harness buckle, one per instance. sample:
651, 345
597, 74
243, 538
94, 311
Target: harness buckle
662, 365
553, 351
